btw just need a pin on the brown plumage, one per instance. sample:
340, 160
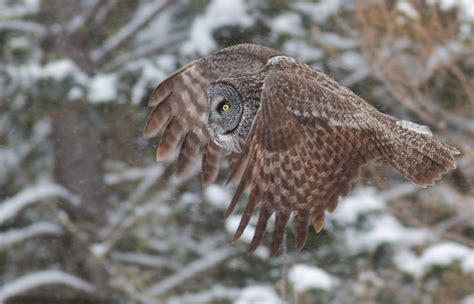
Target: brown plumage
294, 136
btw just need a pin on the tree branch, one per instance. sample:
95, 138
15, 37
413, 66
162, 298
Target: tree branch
128, 31
213, 259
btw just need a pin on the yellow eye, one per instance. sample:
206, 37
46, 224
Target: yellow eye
225, 106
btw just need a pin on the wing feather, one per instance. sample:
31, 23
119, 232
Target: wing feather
301, 163
180, 103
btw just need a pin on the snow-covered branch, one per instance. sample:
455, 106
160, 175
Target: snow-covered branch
214, 258
12, 206
83, 19
146, 50
102, 249
149, 174
18, 9
144, 260
11, 157
14, 236
148, 177
42, 278
23, 26
129, 30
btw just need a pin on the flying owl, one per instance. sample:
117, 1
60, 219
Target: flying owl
292, 135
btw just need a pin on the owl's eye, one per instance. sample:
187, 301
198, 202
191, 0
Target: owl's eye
224, 106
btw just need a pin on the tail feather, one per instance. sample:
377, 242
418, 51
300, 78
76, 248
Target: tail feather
418, 156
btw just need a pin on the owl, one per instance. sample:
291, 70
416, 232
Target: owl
293, 136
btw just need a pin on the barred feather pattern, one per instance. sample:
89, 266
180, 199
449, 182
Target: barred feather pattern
420, 157
180, 106
296, 166
307, 143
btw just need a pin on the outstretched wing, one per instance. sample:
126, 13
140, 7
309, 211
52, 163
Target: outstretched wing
180, 106
304, 149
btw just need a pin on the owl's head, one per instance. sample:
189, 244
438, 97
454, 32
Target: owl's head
231, 110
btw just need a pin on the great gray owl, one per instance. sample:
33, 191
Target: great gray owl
292, 134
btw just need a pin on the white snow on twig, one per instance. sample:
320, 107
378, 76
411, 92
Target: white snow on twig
42, 278
11, 207
24, 26
14, 236
207, 262
304, 277
143, 259
142, 17
132, 174
12, 156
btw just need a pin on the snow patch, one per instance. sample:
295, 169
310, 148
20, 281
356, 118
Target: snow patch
336, 41
302, 50
287, 23
468, 300
441, 254
102, 88
467, 264
320, 11
406, 8
99, 249
360, 202
217, 196
353, 60
465, 7
60, 69
258, 295
385, 229
233, 222
18, 9
219, 13
304, 277
75, 93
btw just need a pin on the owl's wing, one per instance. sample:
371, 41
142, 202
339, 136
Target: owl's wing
296, 162
180, 106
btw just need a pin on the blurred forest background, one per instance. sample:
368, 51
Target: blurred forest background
88, 216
